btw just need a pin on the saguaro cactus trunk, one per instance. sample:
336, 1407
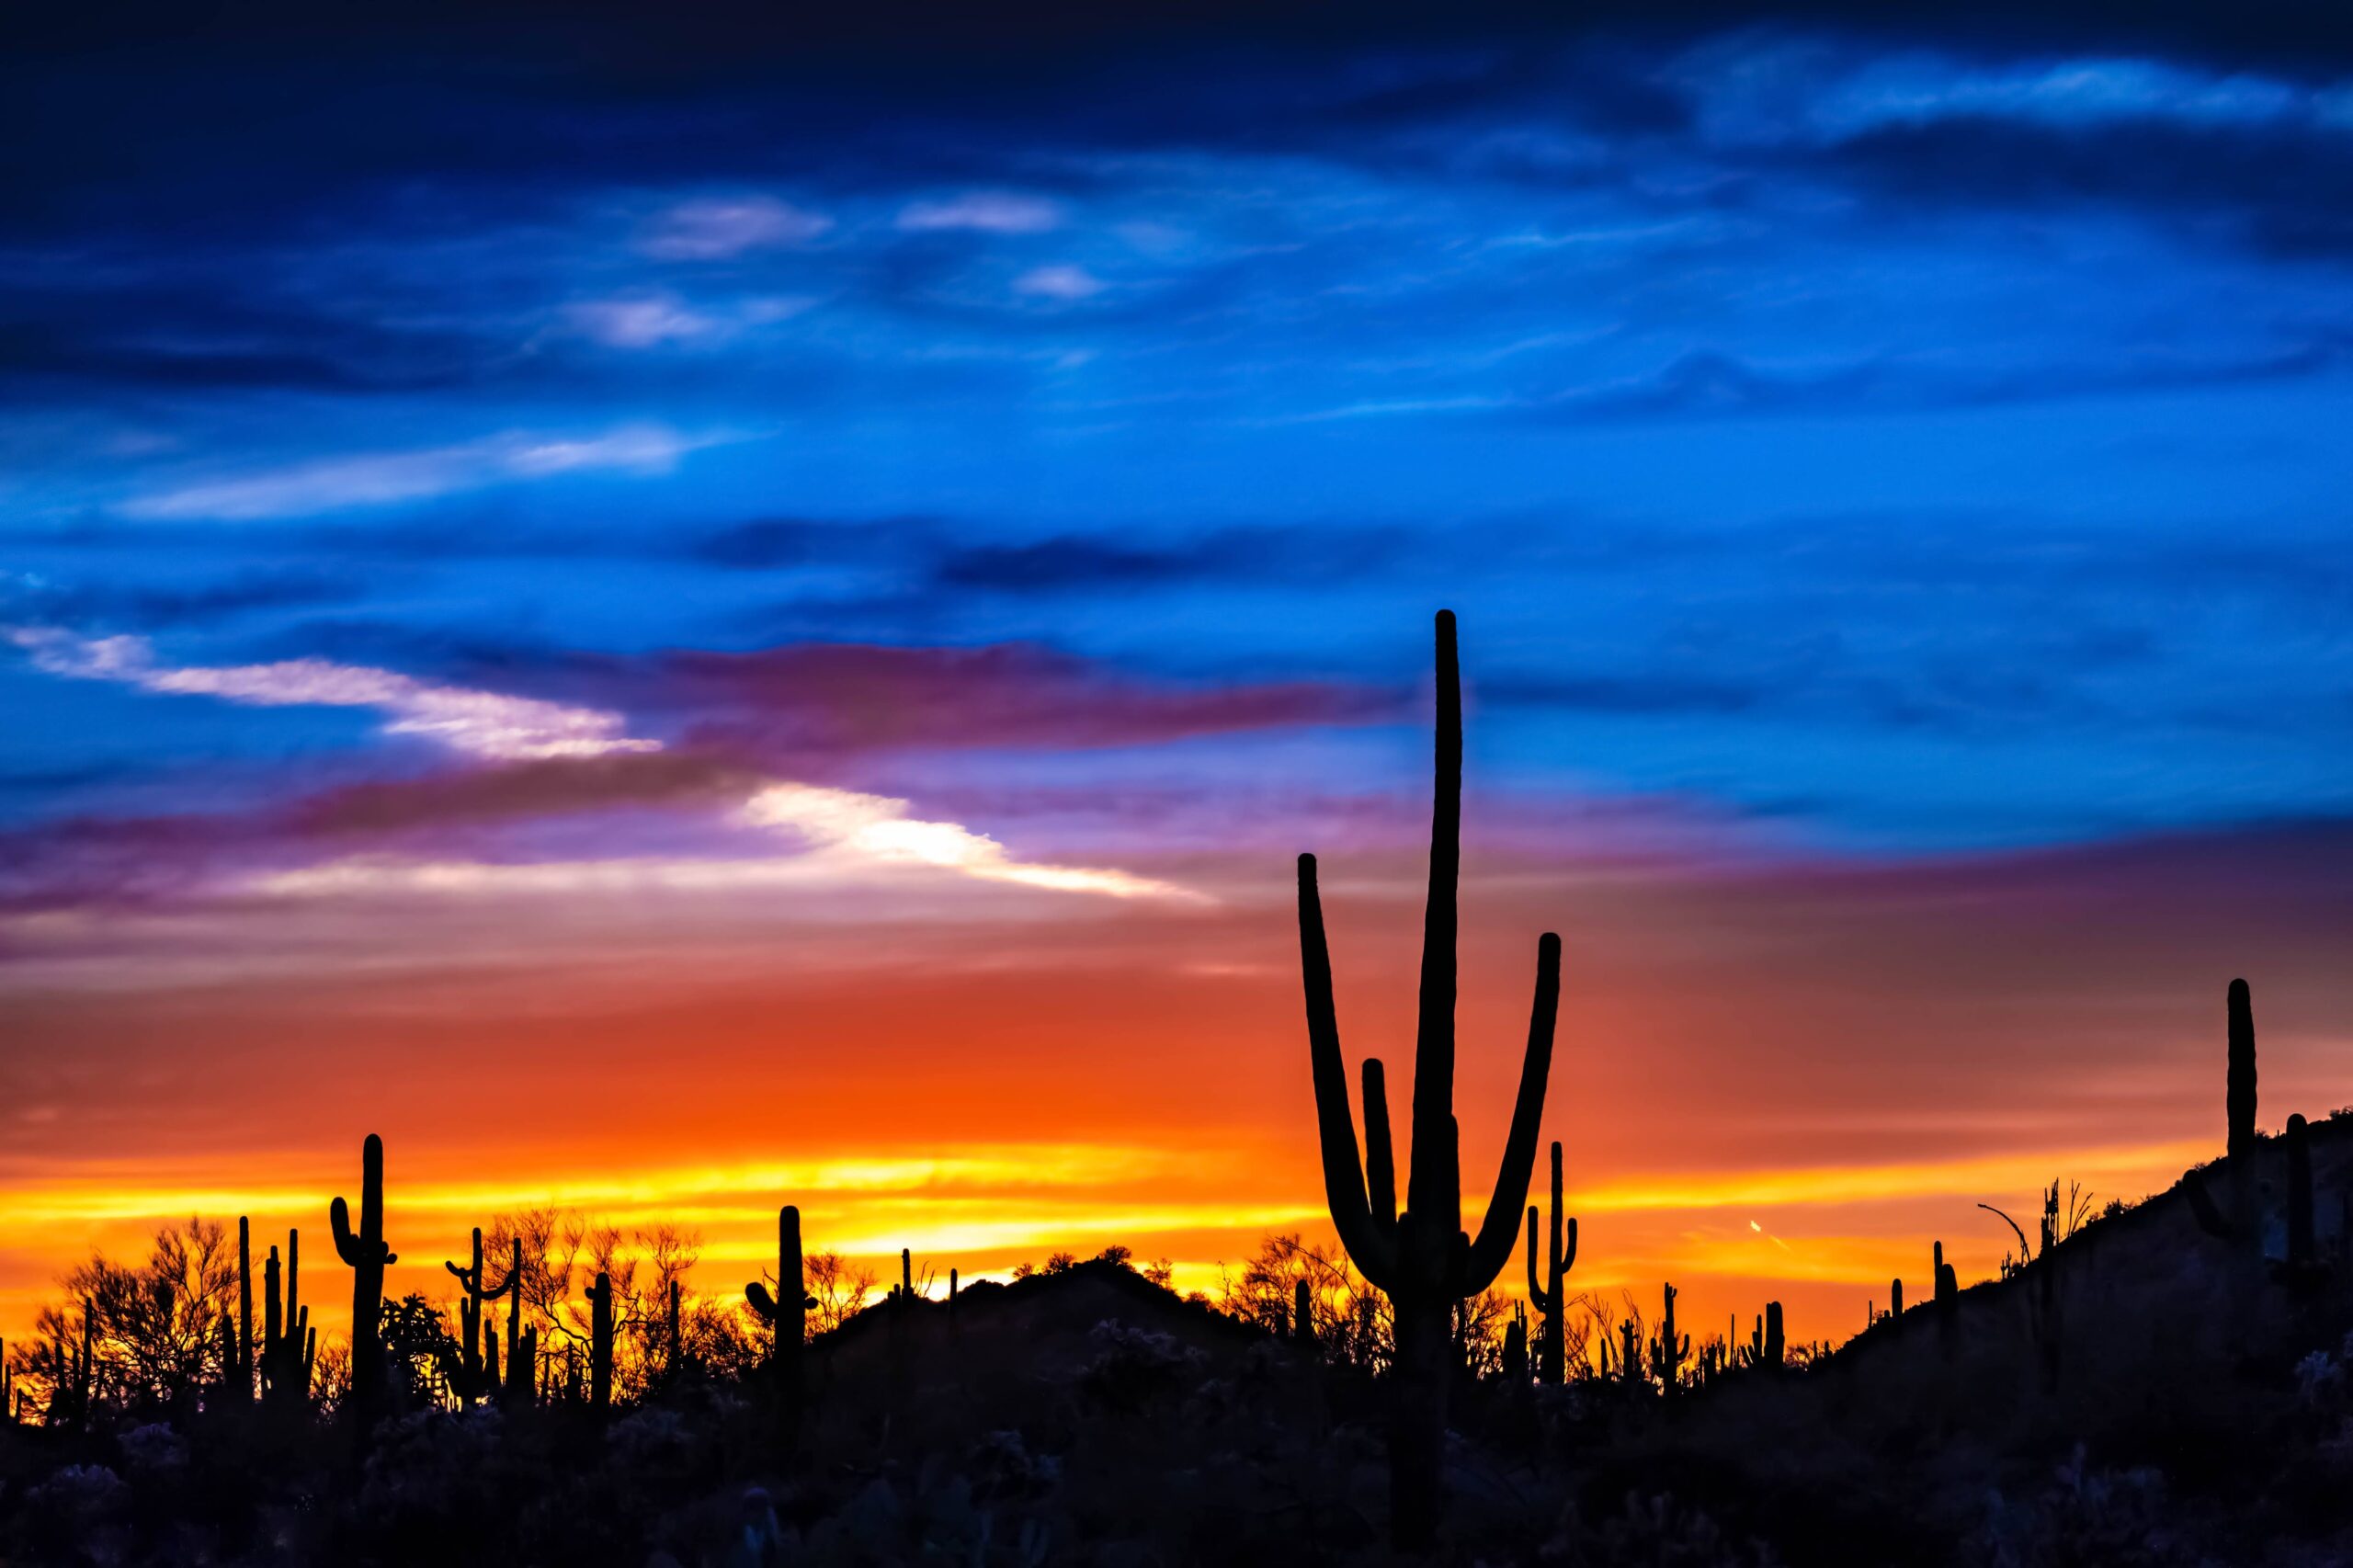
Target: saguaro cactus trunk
1422, 1258
787, 1311
244, 1308
600, 1344
367, 1255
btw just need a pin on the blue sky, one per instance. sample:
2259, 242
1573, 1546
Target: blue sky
1899, 439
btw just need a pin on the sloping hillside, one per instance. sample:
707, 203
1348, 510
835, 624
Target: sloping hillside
2184, 1367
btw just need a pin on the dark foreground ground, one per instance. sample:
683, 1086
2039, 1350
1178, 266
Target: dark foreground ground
2143, 1394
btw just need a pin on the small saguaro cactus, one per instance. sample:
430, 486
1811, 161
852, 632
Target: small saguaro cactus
672, 1340
1895, 1298
1549, 1298
285, 1330
1516, 1347
787, 1311
1302, 1315
1422, 1259
600, 1344
365, 1252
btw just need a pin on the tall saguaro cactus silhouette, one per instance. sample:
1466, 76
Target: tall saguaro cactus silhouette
1549, 1298
367, 1255
787, 1311
1422, 1258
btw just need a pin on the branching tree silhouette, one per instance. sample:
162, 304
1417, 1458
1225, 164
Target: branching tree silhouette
1350, 1319
1422, 1258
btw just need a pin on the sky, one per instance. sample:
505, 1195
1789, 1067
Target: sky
681, 619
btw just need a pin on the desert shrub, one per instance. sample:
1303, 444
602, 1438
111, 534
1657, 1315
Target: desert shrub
1656, 1531
2088, 1517
1133, 1368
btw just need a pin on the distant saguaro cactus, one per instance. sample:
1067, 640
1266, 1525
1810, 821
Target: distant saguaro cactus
1516, 1348
1774, 1351
1302, 1315
1667, 1352
600, 1344
1895, 1298
2239, 1224
367, 1255
1422, 1259
1549, 1298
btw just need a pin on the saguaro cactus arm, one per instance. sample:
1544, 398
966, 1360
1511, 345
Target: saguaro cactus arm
1496, 1232
1373, 1249
367, 1246
1537, 1297
1380, 1158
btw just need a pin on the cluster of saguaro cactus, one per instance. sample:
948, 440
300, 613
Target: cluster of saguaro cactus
1421, 1258
471, 1369
367, 1255
1767, 1351
1549, 1298
290, 1345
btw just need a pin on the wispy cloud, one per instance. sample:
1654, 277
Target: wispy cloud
714, 230
643, 320
982, 211
846, 832
479, 723
1059, 281
383, 479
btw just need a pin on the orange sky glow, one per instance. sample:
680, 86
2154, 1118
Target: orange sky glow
1772, 1083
